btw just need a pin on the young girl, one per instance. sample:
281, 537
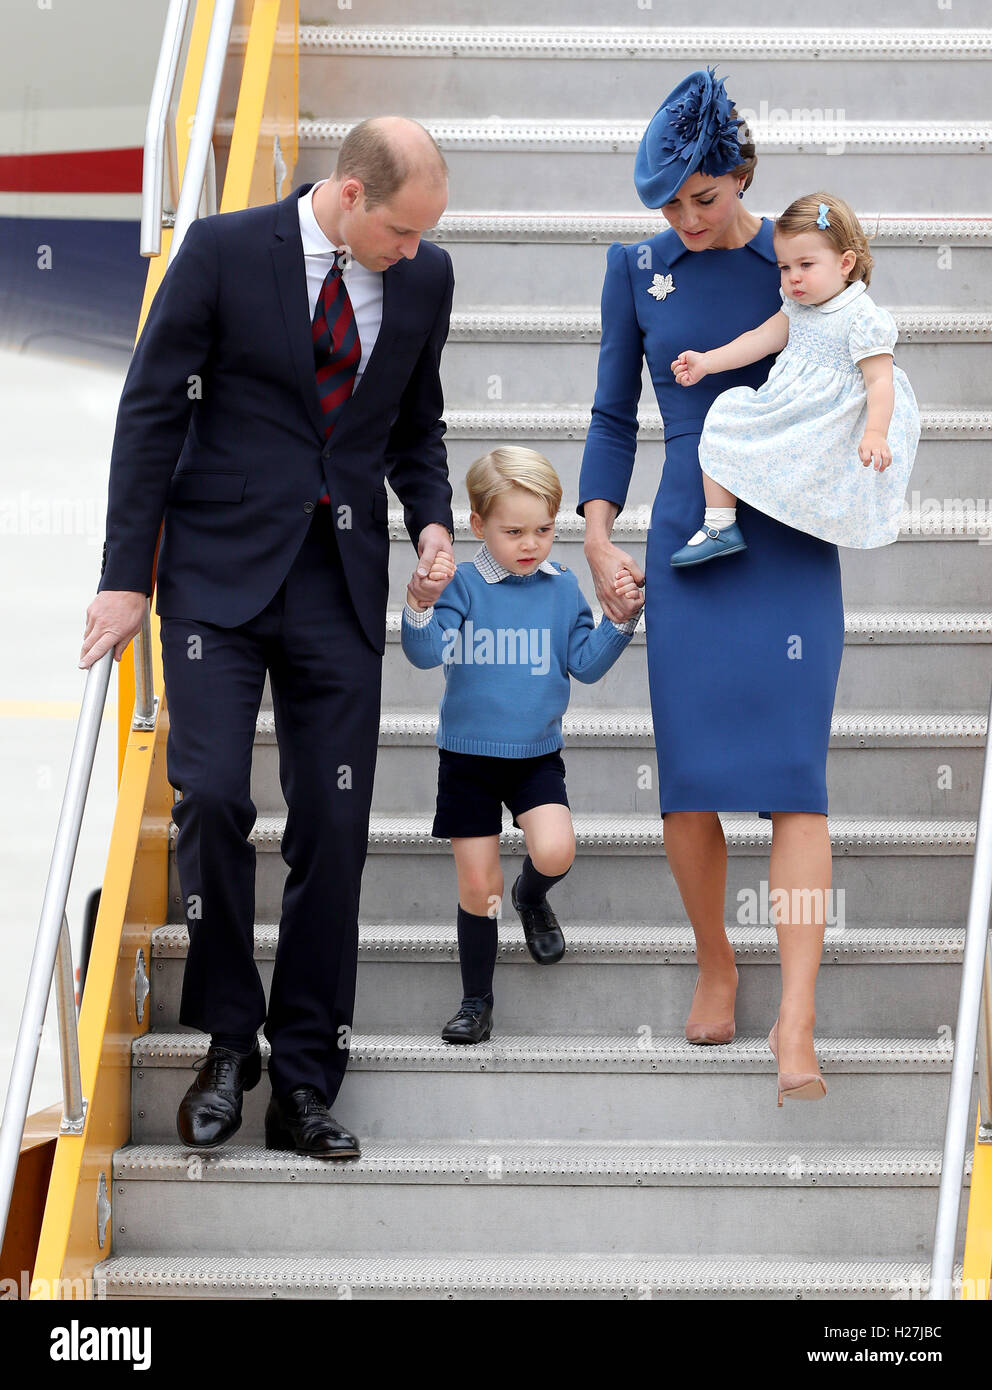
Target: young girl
834, 403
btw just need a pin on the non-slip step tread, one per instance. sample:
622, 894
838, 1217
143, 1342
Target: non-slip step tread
496, 225
593, 136
641, 833
576, 324
902, 626
639, 42
935, 523
641, 1051
514, 1161
623, 943
633, 725
572, 422
622, 1275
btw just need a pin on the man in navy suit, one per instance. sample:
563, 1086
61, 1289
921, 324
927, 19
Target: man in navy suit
289, 361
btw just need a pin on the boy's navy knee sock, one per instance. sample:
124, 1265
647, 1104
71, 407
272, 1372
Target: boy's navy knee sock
478, 941
533, 886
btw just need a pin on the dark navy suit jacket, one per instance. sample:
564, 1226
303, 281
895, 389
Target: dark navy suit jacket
219, 430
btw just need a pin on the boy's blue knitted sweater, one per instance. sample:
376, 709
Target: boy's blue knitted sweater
508, 649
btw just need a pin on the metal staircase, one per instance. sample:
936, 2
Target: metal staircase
588, 1150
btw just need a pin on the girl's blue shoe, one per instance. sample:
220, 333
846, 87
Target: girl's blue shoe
725, 542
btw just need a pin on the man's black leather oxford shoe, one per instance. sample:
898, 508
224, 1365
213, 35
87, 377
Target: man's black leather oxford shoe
302, 1121
210, 1111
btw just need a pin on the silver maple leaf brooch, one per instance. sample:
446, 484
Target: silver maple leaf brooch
661, 286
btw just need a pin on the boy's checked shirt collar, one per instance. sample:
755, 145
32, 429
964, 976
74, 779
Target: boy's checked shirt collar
492, 572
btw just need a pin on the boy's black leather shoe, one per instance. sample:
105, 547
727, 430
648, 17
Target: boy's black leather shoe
541, 930
210, 1111
473, 1023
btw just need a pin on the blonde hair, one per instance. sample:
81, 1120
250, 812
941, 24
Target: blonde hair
844, 232
507, 467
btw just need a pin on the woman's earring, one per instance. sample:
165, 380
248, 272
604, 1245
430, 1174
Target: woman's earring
740, 193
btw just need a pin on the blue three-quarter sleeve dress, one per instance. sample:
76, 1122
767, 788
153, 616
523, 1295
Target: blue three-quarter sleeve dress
743, 652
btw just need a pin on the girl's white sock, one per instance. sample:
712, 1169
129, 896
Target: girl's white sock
718, 519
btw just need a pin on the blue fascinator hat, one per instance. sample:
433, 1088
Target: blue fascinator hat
691, 130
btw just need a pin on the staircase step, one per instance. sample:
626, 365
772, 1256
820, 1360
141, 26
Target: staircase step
894, 658
517, 1276
881, 762
498, 255
502, 162
617, 1196
958, 572
549, 353
491, 273
746, 13
900, 977
439, 69
951, 470
635, 1085
921, 866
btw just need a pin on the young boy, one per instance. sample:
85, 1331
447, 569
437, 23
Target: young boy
509, 629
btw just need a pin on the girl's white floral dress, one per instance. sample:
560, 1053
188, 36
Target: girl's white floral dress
791, 447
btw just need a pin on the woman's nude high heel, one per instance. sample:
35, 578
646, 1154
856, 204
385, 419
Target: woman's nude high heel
796, 1085
713, 1033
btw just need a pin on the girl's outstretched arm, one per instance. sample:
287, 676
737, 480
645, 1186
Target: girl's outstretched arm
770, 336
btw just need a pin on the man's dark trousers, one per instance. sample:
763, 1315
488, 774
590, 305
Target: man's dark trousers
325, 679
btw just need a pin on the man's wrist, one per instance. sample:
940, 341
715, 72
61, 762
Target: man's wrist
444, 527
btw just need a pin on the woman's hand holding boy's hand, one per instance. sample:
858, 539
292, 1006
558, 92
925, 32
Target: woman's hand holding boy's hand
441, 571
608, 563
874, 445
629, 589
690, 367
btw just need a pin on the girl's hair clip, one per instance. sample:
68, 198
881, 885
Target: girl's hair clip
822, 220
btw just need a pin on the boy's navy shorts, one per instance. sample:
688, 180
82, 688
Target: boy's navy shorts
471, 790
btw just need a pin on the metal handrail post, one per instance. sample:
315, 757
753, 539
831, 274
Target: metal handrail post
985, 1052
156, 147
201, 136
49, 928
209, 200
73, 1104
144, 689
970, 1007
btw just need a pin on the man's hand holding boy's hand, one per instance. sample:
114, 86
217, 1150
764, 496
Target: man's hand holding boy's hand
429, 587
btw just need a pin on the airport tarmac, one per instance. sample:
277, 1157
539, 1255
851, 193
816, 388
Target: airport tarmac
56, 425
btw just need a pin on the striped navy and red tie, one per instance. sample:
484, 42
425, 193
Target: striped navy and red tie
337, 350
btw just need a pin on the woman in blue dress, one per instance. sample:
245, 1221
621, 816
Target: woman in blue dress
743, 656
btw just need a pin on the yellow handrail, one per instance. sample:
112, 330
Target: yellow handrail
135, 888
977, 1272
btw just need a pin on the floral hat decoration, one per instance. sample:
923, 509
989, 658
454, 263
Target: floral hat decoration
691, 130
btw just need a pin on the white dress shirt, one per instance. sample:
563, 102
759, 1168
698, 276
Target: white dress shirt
364, 286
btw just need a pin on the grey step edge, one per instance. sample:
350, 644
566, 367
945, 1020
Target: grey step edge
642, 834
442, 1275
623, 1053
586, 1162
623, 943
